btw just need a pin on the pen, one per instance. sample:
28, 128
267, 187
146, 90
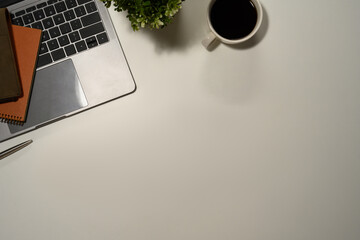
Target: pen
14, 149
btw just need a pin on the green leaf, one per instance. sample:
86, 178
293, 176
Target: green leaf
154, 14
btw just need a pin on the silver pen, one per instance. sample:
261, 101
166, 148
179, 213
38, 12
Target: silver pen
14, 149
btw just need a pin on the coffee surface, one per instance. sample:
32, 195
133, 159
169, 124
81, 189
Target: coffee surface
233, 19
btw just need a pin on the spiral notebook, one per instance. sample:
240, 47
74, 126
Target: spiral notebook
26, 47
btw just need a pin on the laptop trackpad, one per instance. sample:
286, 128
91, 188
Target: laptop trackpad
56, 92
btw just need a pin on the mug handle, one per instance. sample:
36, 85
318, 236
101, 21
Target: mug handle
210, 38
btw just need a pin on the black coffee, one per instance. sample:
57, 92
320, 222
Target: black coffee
233, 19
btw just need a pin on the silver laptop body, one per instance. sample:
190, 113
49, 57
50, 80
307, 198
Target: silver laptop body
97, 73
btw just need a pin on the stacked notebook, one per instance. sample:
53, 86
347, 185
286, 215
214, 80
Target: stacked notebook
19, 48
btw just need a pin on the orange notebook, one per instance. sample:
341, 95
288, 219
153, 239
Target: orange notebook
26, 47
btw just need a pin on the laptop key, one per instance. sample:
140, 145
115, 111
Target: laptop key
83, 1
90, 7
44, 60
70, 50
48, 23
45, 36
37, 25
54, 32
63, 40
80, 46
90, 19
19, 13
30, 9
28, 18
74, 36
49, 11
17, 21
60, 7
65, 28
41, 5
58, 19
91, 42
91, 30
102, 38
80, 11
70, 3
69, 15
53, 44
43, 48
75, 24
58, 54
39, 14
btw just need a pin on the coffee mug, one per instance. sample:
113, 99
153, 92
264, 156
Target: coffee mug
232, 21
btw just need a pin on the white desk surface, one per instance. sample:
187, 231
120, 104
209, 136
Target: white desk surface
257, 141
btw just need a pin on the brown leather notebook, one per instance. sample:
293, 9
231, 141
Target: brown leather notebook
26, 46
10, 87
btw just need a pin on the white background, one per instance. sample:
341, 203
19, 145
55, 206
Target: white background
255, 141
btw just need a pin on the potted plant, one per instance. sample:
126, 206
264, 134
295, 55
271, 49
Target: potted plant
153, 14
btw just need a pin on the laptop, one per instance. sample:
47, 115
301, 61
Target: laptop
81, 63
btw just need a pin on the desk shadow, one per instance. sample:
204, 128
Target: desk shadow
169, 37
252, 42
185, 30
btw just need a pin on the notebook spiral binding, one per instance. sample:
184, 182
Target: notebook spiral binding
14, 120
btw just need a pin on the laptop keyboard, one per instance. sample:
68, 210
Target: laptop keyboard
69, 27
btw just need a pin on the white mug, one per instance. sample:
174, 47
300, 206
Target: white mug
213, 35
